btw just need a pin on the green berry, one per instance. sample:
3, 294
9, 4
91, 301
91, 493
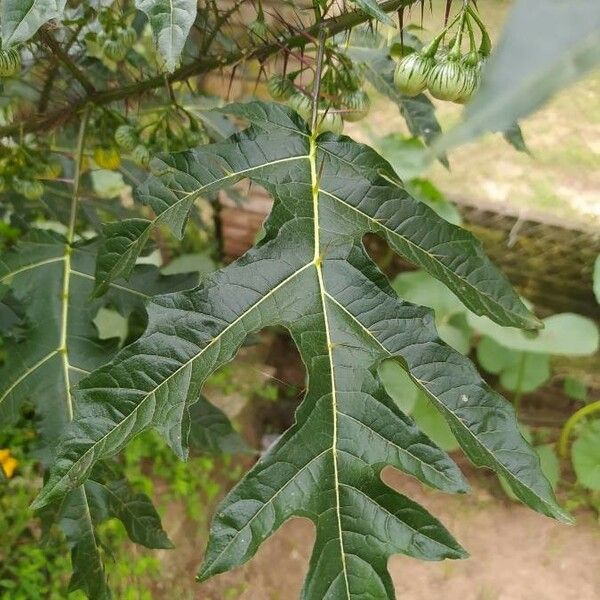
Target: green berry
141, 155
447, 80
302, 104
128, 36
126, 136
410, 76
114, 50
355, 105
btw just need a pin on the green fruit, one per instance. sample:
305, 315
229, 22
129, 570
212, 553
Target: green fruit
356, 105
302, 104
114, 50
107, 157
327, 120
447, 80
141, 155
410, 76
472, 79
128, 36
126, 136
10, 62
280, 88
32, 190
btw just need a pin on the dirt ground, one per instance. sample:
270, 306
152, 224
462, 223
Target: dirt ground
516, 554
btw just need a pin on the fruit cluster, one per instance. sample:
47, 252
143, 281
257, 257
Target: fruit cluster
117, 41
445, 71
350, 104
116, 36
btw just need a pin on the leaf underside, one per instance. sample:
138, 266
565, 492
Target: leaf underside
311, 275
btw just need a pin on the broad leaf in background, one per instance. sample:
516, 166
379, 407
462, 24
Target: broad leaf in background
171, 21
311, 274
546, 45
585, 455
597, 278
53, 282
518, 371
564, 334
20, 19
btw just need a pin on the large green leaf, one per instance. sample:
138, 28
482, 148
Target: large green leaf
546, 45
20, 19
586, 455
171, 21
53, 281
311, 274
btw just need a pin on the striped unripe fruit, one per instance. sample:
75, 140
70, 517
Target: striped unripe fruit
410, 76
141, 155
126, 136
128, 36
472, 79
301, 104
10, 62
327, 120
114, 50
355, 105
447, 80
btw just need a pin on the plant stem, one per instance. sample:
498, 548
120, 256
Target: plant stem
565, 432
79, 152
202, 65
65, 59
318, 74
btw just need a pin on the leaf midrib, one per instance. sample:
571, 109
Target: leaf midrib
318, 258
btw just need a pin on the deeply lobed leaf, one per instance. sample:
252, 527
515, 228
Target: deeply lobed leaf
52, 282
311, 274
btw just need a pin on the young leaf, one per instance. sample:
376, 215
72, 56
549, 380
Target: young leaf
171, 21
20, 19
311, 274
